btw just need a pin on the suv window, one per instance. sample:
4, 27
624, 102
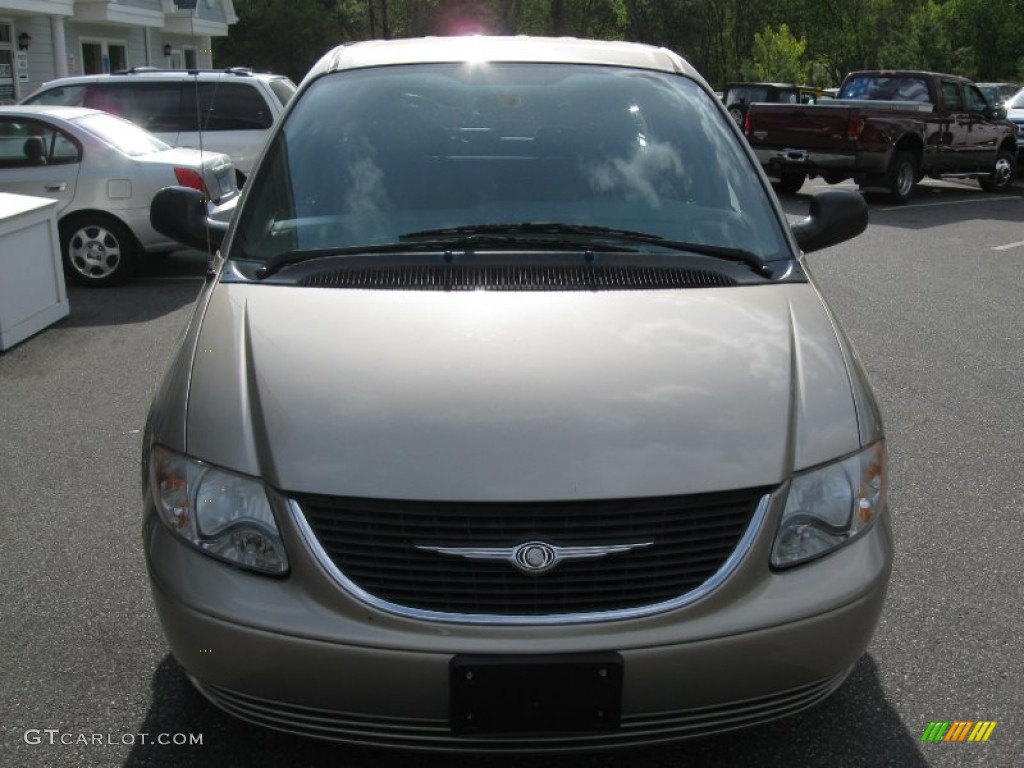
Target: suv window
746, 93
224, 107
153, 106
64, 95
283, 88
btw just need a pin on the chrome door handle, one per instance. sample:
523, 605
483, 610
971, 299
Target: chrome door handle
58, 187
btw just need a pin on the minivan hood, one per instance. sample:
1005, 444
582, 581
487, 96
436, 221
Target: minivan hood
518, 396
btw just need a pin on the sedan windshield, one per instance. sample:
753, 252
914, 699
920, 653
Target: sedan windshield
367, 157
122, 135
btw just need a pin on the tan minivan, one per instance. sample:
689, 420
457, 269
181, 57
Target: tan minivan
510, 418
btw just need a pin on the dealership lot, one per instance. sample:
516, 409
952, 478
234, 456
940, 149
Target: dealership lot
930, 295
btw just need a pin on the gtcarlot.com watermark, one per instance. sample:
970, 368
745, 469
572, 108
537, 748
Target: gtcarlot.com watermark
54, 736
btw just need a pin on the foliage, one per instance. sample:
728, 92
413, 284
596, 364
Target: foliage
777, 57
815, 41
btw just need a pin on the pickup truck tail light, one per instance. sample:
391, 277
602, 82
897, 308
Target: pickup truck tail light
746, 125
854, 127
189, 178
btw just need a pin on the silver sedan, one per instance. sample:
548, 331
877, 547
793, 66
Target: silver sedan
104, 172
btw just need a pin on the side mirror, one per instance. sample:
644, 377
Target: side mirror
836, 215
180, 213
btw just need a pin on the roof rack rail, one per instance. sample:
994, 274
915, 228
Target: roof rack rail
134, 70
240, 71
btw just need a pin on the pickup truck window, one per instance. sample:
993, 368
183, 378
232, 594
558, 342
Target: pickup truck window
976, 101
886, 88
951, 98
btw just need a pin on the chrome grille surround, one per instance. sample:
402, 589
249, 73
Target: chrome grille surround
353, 588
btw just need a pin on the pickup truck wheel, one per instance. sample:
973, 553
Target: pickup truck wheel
901, 177
1003, 173
789, 182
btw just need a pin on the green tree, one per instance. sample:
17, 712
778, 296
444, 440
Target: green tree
284, 36
986, 37
777, 57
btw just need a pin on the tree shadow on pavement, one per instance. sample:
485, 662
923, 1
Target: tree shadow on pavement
855, 727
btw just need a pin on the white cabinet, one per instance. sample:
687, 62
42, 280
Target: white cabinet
32, 292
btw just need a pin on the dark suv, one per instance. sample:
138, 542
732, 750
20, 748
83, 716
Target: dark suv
738, 96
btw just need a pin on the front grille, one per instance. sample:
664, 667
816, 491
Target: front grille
374, 544
455, 277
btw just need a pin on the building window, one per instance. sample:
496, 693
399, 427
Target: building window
101, 56
8, 85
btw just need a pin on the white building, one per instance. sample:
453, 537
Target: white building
44, 39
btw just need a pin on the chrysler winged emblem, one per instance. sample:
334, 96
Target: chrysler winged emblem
535, 557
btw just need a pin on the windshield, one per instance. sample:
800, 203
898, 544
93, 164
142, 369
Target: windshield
122, 135
369, 156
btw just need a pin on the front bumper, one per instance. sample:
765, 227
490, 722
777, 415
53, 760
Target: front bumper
300, 655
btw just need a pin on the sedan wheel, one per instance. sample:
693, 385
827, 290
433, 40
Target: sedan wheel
97, 252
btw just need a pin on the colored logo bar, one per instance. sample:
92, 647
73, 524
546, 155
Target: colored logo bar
958, 730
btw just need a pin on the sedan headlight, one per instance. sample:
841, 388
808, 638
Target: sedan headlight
223, 514
830, 506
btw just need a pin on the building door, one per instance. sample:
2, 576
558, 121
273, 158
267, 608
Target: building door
100, 57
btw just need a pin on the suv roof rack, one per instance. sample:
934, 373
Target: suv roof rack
240, 71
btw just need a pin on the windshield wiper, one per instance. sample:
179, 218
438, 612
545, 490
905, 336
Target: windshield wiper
534, 228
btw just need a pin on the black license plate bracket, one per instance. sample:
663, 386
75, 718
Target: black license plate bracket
555, 693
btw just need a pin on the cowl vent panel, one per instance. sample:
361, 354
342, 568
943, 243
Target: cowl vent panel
517, 278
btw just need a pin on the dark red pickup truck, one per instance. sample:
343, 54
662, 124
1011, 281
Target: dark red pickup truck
887, 130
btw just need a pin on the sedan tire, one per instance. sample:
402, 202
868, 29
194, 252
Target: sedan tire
98, 250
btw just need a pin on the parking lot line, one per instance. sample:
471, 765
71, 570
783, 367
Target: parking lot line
985, 199
1008, 246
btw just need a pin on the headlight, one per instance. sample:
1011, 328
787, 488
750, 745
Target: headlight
223, 514
830, 506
